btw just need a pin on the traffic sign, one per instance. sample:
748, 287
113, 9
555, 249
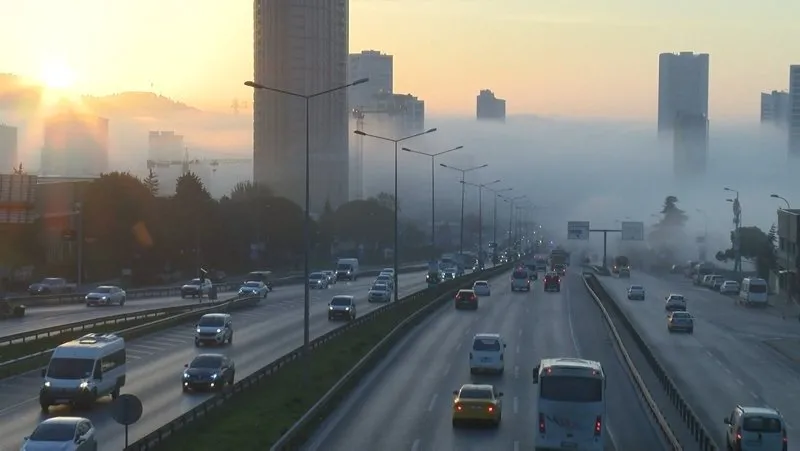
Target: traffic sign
126, 410
578, 230
632, 231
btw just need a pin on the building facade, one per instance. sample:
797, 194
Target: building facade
490, 107
9, 152
690, 145
379, 68
788, 254
301, 46
794, 110
775, 108
682, 87
75, 145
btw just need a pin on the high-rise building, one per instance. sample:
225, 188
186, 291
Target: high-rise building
301, 46
690, 145
775, 108
379, 68
490, 107
682, 87
75, 145
8, 149
406, 111
794, 110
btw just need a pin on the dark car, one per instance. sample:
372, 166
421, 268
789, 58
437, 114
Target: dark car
561, 270
342, 307
552, 282
209, 372
466, 299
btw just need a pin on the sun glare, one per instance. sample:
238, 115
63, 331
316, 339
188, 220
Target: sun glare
57, 75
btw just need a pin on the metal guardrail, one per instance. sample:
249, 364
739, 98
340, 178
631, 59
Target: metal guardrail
704, 439
666, 432
172, 291
152, 440
176, 317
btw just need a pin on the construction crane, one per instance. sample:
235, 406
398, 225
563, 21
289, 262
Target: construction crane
186, 163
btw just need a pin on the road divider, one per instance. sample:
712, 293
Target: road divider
698, 431
34, 359
294, 393
175, 291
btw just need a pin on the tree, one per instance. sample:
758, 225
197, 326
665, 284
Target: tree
673, 216
18, 170
151, 182
365, 222
250, 190
386, 201
756, 246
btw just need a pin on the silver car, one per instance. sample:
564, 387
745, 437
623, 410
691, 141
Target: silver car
385, 279
331, 276
636, 292
62, 434
254, 288
318, 281
106, 295
379, 293
481, 288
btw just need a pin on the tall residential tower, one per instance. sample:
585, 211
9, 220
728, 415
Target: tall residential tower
682, 87
301, 46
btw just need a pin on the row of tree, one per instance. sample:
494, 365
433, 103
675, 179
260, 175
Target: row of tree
126, 225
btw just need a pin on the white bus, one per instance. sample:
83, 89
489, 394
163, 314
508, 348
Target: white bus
754, 291
82, 370
571, 403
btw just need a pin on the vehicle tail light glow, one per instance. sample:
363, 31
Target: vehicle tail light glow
459, 407
542, 428
738, 433
598, 426
491, 409
472, 298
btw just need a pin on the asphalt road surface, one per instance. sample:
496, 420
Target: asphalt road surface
726, 361
155, 363
405, 404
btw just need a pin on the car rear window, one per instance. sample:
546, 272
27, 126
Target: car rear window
761, 424
481, 284
758, 288
676, 297
520, 275
636, 287
473, 393
485, 344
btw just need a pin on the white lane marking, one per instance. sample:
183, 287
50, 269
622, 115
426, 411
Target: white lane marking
415, 445
516, 405
519, 333
446, 369
516, 446
139, 347
727, 370
433, 401
755, 396
709, 353
516, 372
458, 346
517, 349
739, 381
19, 404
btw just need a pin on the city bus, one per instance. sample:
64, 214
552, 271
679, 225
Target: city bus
571, 403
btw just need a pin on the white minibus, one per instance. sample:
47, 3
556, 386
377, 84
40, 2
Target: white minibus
753, 292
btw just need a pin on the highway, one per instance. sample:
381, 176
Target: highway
155, 363
405, 404
50, 316
726, 361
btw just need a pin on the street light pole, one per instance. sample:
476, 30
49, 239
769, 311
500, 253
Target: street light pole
433, 191
494, 212
463, 181
737, 222
511, 201
775, 196
480, 213
396, 206
307, 208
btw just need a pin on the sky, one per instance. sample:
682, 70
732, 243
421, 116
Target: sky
575, 58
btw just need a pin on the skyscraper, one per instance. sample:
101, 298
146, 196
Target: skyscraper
301, 46
490, 107
75, 145
379, 68
682, 87
794, 110
690, 145
775, 108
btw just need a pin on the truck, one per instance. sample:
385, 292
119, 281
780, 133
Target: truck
347, 268
558, 256
52, 285
453, 260
621, 266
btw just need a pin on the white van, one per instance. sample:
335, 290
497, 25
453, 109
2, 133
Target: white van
753, 292
347, 268
487, 354
83, 370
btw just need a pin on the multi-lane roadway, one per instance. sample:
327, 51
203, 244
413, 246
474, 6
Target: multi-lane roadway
405, 404
155, 362
726, 361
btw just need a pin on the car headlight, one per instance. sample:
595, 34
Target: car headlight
219, 330
185, 376
347, 309
214, 376
105, 298
84, 385
198, 330
330, 307
47, 384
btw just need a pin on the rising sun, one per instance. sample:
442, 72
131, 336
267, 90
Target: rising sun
57, 75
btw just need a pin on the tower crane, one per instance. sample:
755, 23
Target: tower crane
186, 162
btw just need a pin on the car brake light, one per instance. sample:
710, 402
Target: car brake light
785, 439
459, 406
598, 426
542, 428
738, 433
491, 409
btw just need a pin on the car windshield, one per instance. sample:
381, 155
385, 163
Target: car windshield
761, 424
520, 275
53, 432
464, 294
316, 276
475, 393
194, 282
211, 321
252, 284
571, 389
388, 270
636, 287
384, 277
758, 288
486, 344
69, 368
206, 361
379, 287
343, 267
681, 315
676, 297
340, 301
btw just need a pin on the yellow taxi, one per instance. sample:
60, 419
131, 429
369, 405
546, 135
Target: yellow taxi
477, 402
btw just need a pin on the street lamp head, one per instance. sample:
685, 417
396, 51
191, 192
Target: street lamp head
482, 166
458, 148
359, 81
431, 130
407, 149
728, 200
359, 132
775, 196
492, 183
254, 85
443, 165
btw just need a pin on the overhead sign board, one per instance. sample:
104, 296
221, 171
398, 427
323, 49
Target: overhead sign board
632, 231
578, 230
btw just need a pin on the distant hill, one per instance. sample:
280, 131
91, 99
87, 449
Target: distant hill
21, 95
